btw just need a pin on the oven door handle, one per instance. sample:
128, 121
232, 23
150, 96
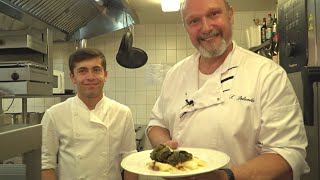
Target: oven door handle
309, 76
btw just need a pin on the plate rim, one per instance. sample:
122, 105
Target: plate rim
173, 175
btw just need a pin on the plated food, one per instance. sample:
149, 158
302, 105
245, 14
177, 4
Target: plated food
165, 159
139, 163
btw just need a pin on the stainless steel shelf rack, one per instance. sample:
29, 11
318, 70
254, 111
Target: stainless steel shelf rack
25, 140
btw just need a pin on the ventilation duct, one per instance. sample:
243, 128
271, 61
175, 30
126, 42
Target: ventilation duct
70, 19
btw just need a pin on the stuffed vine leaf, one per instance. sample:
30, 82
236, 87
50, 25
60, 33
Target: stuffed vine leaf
165, 154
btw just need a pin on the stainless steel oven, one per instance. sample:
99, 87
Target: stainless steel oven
299, 39
26, 62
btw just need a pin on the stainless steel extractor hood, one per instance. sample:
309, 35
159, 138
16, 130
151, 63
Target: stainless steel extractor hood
71, 19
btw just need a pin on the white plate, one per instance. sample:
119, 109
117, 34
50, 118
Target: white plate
137, 163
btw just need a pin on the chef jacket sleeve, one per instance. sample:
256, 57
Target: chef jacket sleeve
156, 117
128, 141
50, 142
157, 112
282, 129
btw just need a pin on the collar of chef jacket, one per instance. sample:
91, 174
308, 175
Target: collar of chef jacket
98, 114
211, 93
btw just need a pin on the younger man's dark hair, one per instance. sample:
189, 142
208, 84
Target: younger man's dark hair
85, 54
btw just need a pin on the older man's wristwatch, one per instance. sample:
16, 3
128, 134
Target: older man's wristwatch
229, 173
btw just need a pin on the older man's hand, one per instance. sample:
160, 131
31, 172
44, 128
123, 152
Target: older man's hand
214, 175
173, 144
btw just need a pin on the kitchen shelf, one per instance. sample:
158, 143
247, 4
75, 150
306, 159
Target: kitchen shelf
25, 97
23, 139
140, 136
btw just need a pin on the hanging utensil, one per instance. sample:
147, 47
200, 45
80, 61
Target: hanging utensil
129, 56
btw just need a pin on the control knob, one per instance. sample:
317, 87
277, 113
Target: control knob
14, 76
290, 49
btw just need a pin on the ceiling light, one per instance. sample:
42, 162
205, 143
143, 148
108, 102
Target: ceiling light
99, 2
170, 5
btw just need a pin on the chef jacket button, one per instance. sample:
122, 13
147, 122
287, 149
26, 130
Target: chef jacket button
75, 114
103, 154
105, 174
79, 157
218, 99
77, 134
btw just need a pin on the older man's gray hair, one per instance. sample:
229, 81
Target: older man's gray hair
227, 3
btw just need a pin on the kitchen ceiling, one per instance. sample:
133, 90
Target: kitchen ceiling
149, 11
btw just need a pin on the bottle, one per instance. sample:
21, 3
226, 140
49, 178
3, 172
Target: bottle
263, 30
274, 26
269, 20
275, 40
269, 31
275, 37
275, 54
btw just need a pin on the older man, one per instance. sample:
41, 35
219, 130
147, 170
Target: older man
226, 98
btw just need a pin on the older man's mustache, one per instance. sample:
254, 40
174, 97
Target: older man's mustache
205, 36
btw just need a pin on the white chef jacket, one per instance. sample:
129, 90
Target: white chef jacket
246, 108
89, 144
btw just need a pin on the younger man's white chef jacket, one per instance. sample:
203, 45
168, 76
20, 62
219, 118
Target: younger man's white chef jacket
90, 144
246, 108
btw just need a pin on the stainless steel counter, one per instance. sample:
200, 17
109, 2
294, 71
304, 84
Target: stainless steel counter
23, 139
140, 136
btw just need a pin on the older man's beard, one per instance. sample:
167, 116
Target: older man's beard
217, 50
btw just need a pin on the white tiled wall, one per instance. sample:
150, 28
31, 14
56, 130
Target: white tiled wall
165, 45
